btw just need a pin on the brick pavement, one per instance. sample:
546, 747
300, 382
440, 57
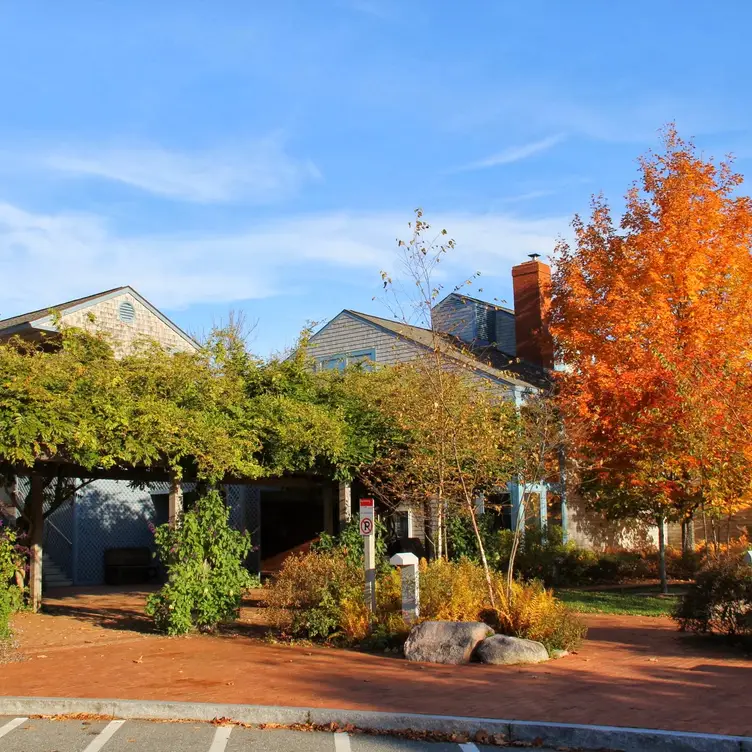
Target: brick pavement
632, 671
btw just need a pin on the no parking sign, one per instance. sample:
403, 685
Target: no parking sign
366, 517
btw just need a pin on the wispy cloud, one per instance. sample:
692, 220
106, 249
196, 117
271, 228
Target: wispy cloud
376, 8
260, 173
292, 255
514, 154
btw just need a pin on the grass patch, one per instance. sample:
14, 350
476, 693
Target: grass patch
634, 602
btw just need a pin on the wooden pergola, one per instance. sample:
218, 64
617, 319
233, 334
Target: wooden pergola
44, 471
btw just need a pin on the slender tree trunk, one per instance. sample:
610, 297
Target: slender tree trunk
519, 527
705, 531
446, 535
428, 525
728, 533
662, 554
470, 502
482, 549
714, 528
440, 525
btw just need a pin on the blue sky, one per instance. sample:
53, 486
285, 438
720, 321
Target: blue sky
263, 157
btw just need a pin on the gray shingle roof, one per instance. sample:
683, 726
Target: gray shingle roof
449, 345
27, 318
20, 322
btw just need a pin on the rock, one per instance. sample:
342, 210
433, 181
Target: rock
451, 642
556, 654
502, 650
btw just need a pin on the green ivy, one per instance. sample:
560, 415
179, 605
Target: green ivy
349, 544
204, 558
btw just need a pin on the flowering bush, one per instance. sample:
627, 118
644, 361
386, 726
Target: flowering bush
206, 578
12, 565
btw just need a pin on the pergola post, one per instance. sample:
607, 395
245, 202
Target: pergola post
36, 540
345, 503
175, 499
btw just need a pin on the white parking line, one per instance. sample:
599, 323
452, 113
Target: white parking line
341, 742
8, 727
468, 747
104, 736
221, 735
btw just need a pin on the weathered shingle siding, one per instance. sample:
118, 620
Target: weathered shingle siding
347, 334
505, 335
106, 318
458, 318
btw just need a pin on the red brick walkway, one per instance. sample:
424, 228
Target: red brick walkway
632, 671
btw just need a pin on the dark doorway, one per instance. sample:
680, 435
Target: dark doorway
289, 518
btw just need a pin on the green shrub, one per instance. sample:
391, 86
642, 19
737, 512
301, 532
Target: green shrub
12, 561
544, 555
720, 601
206, 578
349, 543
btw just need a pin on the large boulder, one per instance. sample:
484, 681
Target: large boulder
506, 651
452, 642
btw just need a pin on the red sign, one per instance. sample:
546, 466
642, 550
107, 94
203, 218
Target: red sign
366, 516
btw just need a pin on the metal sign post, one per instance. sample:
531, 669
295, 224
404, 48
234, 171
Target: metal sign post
367, 527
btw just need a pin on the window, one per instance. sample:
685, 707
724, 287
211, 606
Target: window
336, 363
340, 361
126, 312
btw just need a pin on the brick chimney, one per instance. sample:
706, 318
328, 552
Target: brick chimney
532, 297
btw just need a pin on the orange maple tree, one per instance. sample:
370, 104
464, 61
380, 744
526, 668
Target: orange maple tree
653, 321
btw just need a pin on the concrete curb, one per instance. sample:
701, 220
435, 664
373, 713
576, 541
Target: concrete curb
574, 736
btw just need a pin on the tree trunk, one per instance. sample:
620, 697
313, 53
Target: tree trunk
519, 529
728, 534
705, 531
662, 554
36, 539
714, 528
688, 534
440, 527
428, 518
482, 549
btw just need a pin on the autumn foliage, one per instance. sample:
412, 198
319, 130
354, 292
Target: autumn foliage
653, 317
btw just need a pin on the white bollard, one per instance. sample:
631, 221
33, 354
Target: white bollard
408, 566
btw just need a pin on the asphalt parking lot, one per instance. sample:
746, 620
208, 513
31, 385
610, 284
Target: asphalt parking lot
50, 735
